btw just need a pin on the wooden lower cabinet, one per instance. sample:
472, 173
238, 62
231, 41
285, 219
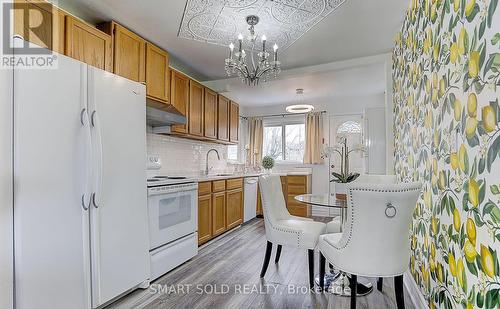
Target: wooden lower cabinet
218, 213
259, 211
204, 218
291, 187
220, 207
297, 185
234, 208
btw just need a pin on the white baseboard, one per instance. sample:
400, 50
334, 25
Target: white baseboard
418, 299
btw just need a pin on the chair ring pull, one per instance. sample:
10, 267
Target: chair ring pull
390, 210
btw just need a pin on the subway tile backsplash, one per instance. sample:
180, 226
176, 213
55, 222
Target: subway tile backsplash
181, 156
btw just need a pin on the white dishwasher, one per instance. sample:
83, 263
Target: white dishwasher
250, 203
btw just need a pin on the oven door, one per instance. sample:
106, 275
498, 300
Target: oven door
173, 213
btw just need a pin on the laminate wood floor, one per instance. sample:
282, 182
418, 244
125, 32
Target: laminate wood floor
218, 276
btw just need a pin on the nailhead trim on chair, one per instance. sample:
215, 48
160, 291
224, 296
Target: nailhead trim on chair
352, 212
277, 228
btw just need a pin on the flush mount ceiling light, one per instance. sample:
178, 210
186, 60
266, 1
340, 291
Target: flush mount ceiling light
299, 108
258, 65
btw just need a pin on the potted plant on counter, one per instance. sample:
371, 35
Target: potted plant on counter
268, 163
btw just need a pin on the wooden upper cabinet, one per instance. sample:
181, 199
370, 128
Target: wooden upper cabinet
234, 122
180, 92
157, 73
210, 114
196, 98
129, 52
88, 44
223, 118
41, 23
179, 98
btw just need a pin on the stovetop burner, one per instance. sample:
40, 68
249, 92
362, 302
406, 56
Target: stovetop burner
162, 180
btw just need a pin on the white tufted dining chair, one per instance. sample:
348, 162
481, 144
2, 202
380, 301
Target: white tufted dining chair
284, 229
334, 226
375, 241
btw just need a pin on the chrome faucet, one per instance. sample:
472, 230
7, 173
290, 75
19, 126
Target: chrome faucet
206, 162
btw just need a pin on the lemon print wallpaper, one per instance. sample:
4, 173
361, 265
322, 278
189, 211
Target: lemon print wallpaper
446, 79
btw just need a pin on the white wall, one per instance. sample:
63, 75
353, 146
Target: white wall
180, 156
337, 106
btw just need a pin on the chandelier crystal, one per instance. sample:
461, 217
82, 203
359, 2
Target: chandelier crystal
259, 65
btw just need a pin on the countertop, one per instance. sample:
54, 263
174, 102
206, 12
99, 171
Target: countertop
241, 175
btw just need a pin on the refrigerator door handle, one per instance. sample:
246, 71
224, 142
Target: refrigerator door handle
96, 195
92, 117
84, 119
93, 201
84, 206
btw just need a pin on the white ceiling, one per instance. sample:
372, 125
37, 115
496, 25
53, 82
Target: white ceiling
323, 83
357, 28
282, 21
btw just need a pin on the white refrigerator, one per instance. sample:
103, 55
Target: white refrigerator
80, 204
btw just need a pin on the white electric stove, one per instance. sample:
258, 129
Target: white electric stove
173, 219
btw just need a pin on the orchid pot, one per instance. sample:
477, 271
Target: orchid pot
344, 177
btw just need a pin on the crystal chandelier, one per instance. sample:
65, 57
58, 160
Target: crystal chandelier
260, 66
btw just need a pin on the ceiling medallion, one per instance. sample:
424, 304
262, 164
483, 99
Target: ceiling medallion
258, 66
299, 108
284, 21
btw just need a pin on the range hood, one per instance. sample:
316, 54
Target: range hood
162, 119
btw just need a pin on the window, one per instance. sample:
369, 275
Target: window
349, 127
273, 142
285, 142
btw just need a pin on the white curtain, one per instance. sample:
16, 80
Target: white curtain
255, 141
314, 138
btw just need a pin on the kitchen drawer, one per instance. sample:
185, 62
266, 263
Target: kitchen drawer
234, 183
204, 188
297, 189
297, 180
171, 255
218, 185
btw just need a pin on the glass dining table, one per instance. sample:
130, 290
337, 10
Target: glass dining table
336, 282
